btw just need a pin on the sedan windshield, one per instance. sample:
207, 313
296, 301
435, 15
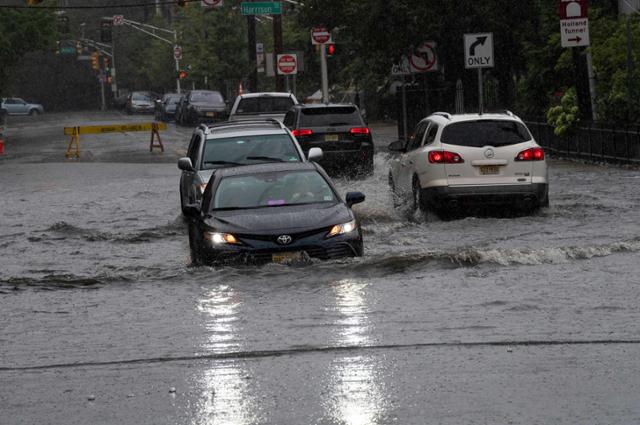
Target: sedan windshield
244, 150
333, 116
485, 133
141, 97
272, 190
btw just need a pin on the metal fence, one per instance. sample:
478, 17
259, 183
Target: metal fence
594, 142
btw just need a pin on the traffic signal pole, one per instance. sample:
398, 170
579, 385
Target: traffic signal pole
324, 72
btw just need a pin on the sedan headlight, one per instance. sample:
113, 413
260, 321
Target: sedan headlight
341, 229
221, 238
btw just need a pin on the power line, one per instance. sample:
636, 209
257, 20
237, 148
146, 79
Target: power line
118, 6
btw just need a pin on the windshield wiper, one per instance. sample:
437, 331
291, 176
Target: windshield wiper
223, 163
265, 158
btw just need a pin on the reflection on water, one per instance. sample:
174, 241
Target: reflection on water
356, 395
226, 397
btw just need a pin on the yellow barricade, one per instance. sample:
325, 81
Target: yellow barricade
74, 143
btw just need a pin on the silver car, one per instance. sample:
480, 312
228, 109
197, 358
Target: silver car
262, 105
232, 144
17, 106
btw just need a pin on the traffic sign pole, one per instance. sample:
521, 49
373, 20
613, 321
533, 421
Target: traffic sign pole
325, 75
480, 92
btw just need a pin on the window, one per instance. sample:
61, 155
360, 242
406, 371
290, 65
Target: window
485, 133
207, 97
289, 119
331, 117
270, 104
416, 140
273, 189
194, 147
245, 150
431, 134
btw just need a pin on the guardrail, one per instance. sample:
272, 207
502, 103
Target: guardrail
594, 142
73, 149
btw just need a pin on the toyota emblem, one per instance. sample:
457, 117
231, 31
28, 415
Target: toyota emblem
284, 239
489, 153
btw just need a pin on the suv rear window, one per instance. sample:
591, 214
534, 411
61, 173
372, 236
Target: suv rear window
485, 133
333, 116
256, 105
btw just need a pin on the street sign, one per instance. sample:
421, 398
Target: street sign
67, 50
401, 68
260, 57
211, 3
424, 58
177, 52
574, 23
118, 20
478, 50
320, 35
287, 64
261, 8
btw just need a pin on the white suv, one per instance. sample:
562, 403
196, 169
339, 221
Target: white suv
262, 105
451, 162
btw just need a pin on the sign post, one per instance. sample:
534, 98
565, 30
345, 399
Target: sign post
403, 69
478, 53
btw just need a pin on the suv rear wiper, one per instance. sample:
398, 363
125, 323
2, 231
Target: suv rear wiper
335, 124
265, 158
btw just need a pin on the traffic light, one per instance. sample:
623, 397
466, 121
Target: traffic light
331, 49
95, 60
182, 74
105, 30
106, 64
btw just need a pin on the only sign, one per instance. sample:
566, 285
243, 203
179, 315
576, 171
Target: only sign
211, 3
287, 64
320, 35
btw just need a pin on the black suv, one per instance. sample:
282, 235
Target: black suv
199, 106
339, 130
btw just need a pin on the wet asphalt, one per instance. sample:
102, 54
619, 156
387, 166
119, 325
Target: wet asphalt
488, 320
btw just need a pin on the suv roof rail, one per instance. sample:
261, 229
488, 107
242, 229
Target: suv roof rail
252, 121
443, 114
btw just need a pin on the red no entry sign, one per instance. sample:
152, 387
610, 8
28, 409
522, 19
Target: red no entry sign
211, 3
287, 64
320, 35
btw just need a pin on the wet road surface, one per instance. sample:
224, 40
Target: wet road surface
529, 319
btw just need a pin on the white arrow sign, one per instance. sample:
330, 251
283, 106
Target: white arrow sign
478, 50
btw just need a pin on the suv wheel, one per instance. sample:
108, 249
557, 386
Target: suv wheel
395, 198
419, 198
34, 112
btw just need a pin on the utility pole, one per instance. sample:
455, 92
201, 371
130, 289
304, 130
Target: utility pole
277, 49
324, 73
251, 32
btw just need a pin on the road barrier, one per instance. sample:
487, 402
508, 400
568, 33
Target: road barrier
73, 149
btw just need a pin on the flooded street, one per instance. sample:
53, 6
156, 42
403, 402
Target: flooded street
531, 319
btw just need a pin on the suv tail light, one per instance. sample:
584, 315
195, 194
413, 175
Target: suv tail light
531, 154
302, 132
445, 157
359, 130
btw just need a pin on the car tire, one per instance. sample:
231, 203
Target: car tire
34, 112
395, 198
419, 196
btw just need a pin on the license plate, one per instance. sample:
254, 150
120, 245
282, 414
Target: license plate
489, 169
331, 138
286, 257
211, 114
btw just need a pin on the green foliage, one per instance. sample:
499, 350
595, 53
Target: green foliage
23, 31
564, 117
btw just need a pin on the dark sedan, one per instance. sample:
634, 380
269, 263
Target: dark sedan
273, 213
199, 106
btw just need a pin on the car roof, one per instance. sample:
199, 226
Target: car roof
233, 132
264, 168
325, 105
446, 118
266, 94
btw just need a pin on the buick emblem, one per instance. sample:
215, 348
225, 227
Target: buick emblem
489, 153
284, 239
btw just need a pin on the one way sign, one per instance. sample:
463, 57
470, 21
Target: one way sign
478, 50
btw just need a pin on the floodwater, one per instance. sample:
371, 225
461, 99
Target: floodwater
530, 319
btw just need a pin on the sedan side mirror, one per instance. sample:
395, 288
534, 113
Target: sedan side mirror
353, 198
185, 164
397, 146
315, 154
192, 210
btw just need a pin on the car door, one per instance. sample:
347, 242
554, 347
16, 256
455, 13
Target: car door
408, 159
187, 180
12, 106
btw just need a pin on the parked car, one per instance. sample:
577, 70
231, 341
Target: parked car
452, 162
232, 144
141, 102
262, 105
198, 106
339, 130
17, 106
277, 212
166, 106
